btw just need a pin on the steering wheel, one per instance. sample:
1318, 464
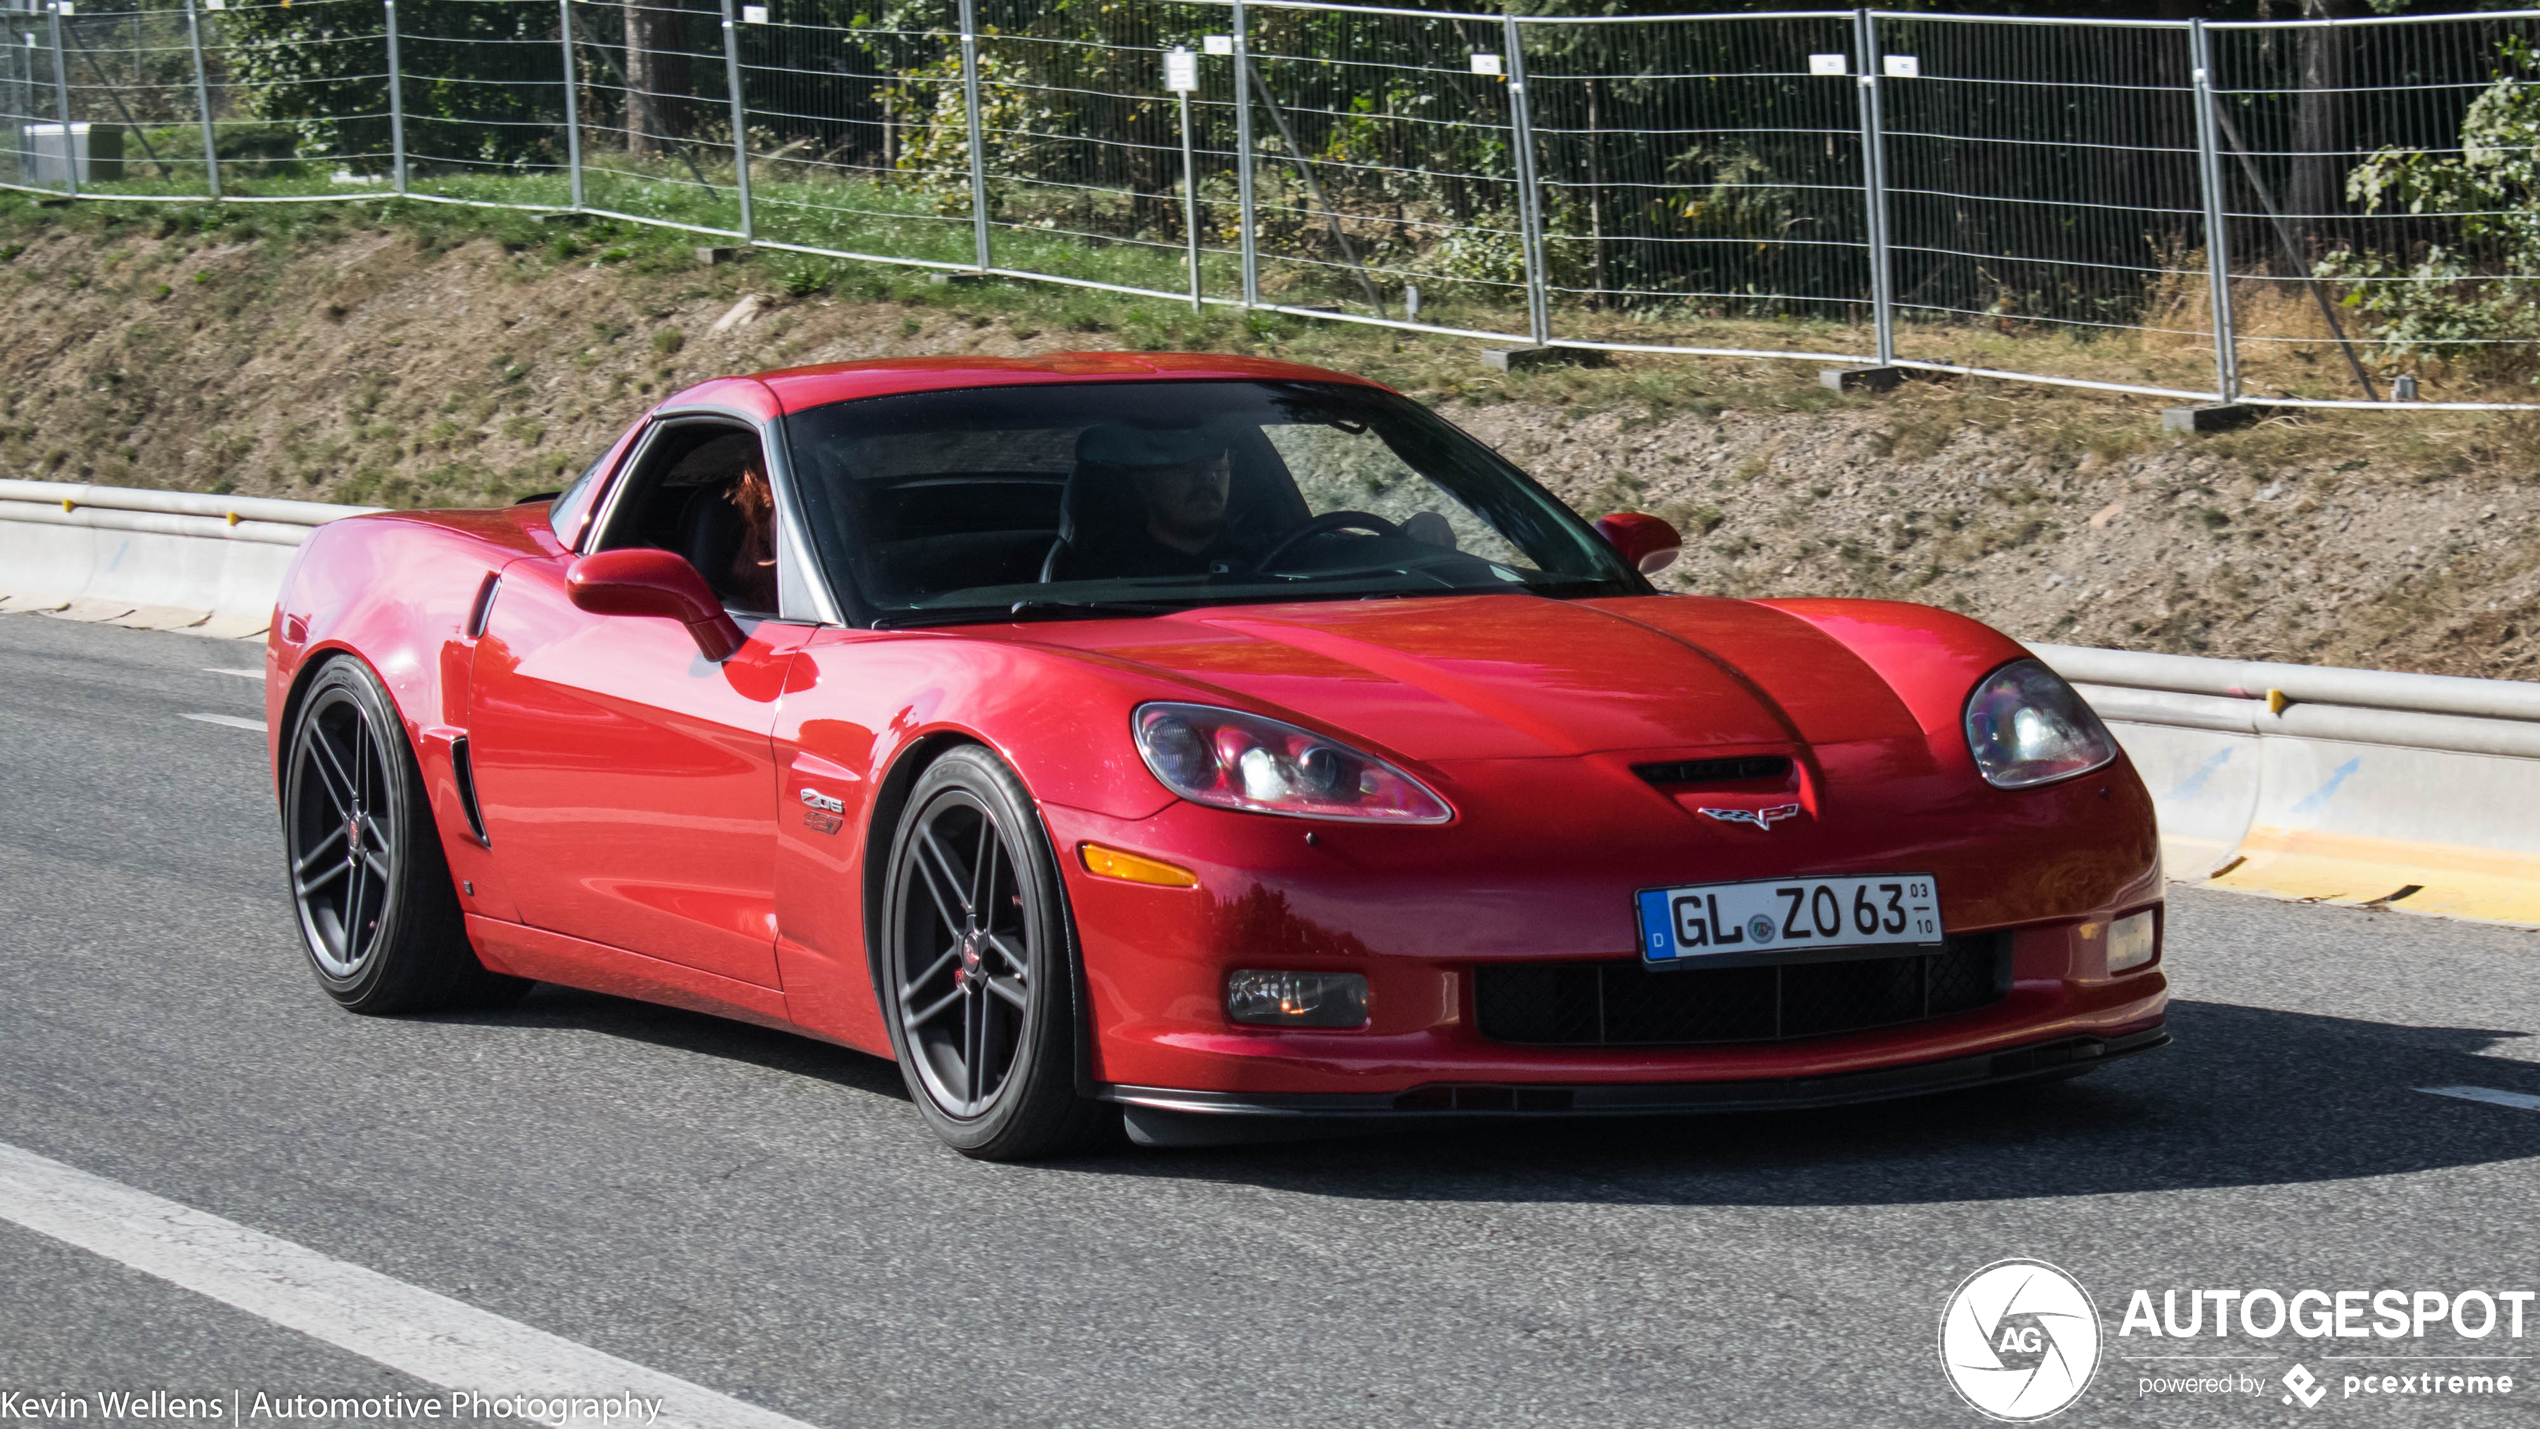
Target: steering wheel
1327, 522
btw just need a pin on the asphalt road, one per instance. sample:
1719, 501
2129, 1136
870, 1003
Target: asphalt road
765, 1216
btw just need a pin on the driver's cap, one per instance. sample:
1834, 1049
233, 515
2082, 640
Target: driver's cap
1120, 444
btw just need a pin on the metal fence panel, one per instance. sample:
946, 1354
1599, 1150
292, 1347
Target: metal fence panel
2024, 197
1703, 180
299, 96
656, 114
2379, 180
1383, 161
856, 130
2044, 191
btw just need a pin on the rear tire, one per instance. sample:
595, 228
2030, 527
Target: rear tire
378, 916
977, 965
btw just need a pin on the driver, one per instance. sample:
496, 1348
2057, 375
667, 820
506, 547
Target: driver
1177, 524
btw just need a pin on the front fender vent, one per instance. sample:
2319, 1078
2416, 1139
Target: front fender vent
463, 772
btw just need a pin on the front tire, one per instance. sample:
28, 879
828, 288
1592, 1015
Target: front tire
378, 917
976, 966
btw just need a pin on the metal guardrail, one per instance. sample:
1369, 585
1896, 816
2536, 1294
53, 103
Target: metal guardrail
2418, 792
159, 560
167, 513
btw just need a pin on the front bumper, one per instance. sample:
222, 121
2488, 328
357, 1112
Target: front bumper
1163, 1116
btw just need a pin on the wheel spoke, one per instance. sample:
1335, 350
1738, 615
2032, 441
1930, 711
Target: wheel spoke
1012, 990
914, 1020
943, 907
909, 989
324, 847
353, 916
982, 879
942, 865
1021, 967
334, 871
365, 787
974, 1036
331, 775
378, 866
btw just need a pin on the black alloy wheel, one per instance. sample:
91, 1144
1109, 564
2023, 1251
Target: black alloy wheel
378, 916
976, 966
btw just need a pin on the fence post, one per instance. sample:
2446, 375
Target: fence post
203, 96
1529, 198
2209, 172
740, 122
396, 100
1246, 242
62, 104
572, 101
1874, 187
978, 132
1190, 190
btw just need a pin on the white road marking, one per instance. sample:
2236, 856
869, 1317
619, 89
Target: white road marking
2520, 1101
432, 1337
233, 721
242, 674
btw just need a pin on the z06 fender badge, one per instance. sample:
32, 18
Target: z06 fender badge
821, 813
1761, 818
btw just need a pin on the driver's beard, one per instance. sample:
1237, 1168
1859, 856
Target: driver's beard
1188, 531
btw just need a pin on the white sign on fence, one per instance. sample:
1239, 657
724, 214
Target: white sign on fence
1829, 64
1217, 44
1181, 71
1486, 64
1904, 67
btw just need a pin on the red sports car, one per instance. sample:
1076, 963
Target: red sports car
1229, 744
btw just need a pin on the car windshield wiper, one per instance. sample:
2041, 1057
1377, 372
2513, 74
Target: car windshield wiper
1046, 609
1037, 608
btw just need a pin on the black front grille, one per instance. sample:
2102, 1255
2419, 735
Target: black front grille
1716, 771
1625, 1004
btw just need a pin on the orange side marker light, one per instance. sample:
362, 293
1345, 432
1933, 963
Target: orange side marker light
1134, 868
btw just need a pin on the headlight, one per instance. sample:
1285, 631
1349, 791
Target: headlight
2025, 726
1243, 761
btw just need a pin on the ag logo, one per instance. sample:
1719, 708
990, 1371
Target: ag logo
2305, 1385
2020, 1340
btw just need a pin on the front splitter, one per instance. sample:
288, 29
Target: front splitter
1164, 1116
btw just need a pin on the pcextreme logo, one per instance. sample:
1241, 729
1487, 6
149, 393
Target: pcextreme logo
2020, 1340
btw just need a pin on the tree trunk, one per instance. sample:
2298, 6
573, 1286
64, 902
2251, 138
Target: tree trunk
656, 75
1596, 195
2314, 197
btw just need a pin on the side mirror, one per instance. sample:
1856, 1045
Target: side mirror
1651, 545
645, 581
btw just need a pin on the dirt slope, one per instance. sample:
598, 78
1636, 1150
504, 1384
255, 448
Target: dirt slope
382, 364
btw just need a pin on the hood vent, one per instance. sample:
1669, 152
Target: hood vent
1716, 771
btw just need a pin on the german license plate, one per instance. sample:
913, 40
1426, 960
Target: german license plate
1699, 920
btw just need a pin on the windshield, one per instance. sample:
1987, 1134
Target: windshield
1128, 497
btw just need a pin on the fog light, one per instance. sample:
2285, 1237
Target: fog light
1270, 999
2132, 940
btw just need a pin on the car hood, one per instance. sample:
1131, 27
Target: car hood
1518, 676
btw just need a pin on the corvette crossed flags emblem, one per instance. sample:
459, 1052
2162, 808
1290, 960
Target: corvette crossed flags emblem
1761, 818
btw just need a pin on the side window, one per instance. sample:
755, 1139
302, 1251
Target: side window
572, 506
702, 491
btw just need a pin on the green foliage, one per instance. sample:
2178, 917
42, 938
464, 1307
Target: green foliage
2447, 301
